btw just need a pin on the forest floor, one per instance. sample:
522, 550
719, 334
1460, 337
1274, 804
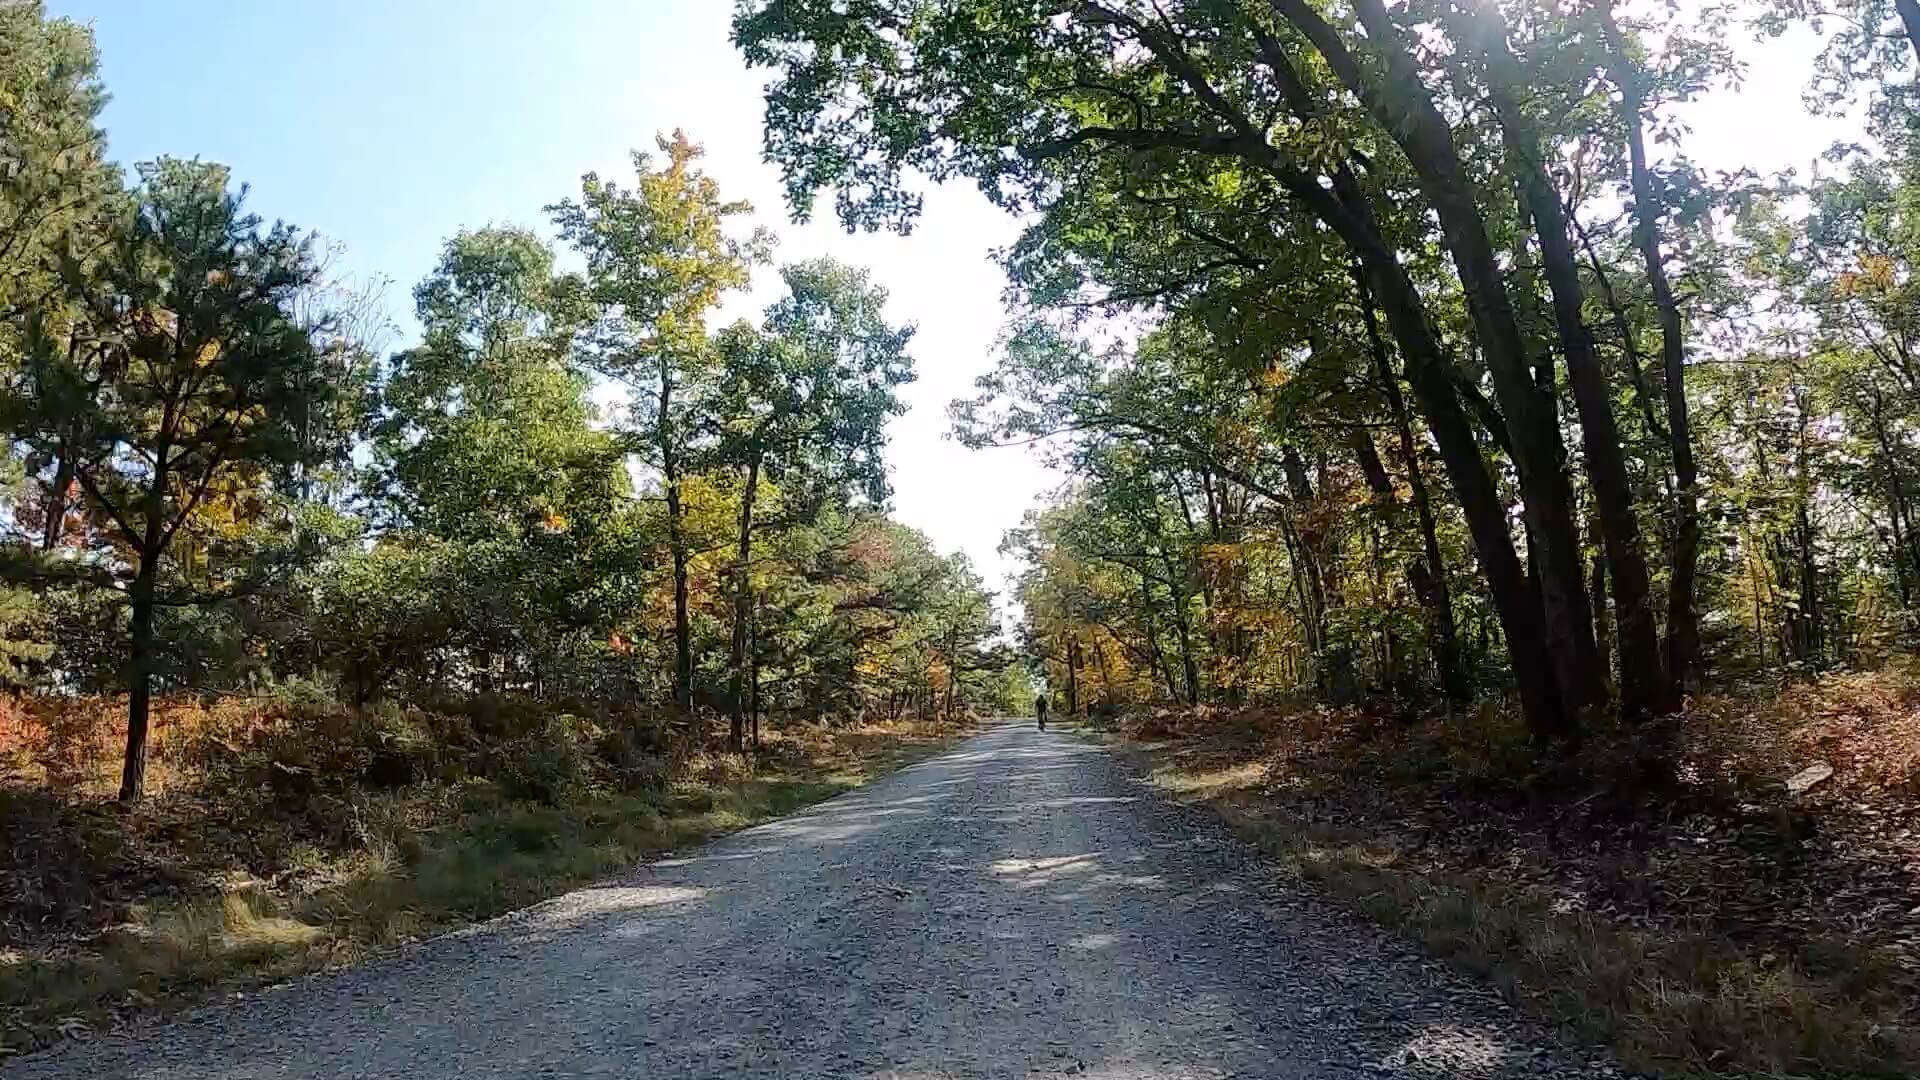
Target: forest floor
1725, 923
218, 883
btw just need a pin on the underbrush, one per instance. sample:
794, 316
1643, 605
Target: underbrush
288, 836
1701, 917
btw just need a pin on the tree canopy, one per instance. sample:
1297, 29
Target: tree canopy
1394, 347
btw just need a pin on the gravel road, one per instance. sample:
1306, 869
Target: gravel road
1022, 906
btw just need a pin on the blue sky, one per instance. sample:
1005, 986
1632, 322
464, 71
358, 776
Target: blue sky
388, 126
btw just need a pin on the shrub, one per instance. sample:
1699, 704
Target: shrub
635, 756
546, 765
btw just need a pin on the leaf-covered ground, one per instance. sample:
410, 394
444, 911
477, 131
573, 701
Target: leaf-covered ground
1702, 915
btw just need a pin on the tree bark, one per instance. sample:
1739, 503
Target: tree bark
1073, 676
1623, 329
677, 541
1515, 598
133, 771
1309, 540
1154, 650
1601, 639
1106, 674
742, 608
1906, 545
1645, 689
1404, 107
1189, 667
1683, 623
1804, 535
753, 669
1348, 212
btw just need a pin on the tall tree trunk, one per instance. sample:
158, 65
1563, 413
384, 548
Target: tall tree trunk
1106, 674
1333, 663
1404, 106
1809, 585
1899, 547
1154, 650
1906, 545
1644, 687
1437, 388
1310, 630
1683, 622
1312, 607
742, 608
1374, 471
953, 672
1623, 329
677, 541
753, 670
1515, 598
1804, 535
133, 771
1183, 625
1073, 676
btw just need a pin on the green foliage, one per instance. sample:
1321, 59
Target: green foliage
24, 649
1279, 471
53, 170
807, 394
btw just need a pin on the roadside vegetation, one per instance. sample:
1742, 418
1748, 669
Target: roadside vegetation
1731, 925
286, 835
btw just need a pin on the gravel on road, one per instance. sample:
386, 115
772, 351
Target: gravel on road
1022, 906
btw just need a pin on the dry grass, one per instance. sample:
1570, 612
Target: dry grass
158, 908
1718, 927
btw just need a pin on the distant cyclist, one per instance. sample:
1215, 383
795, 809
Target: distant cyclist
1040, 711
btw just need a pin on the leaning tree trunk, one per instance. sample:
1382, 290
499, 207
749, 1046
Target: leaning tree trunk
1645, 689
1405, 108
1515, 598
677, 541
1349, 213
1683, 623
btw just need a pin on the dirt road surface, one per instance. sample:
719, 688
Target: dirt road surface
1022, 906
